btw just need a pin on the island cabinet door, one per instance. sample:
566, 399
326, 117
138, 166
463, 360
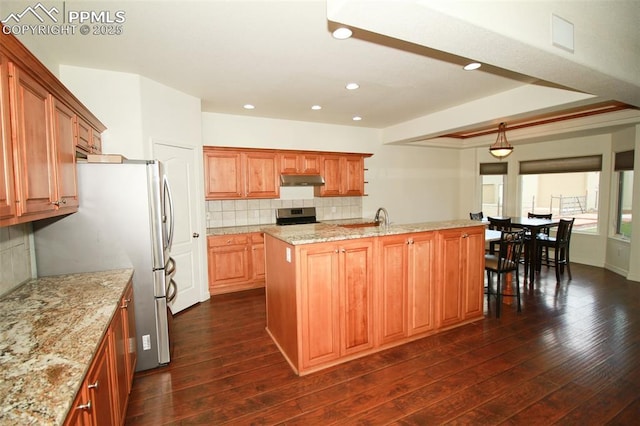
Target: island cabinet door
461, 284
391, 288
450, 285
356, 279
473, 272
422, 278
320, 304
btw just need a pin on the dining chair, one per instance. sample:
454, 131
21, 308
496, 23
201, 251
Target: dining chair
498, 224
544, 231
560, 245
476, 216
506, 261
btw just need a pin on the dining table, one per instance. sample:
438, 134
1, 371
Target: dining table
534, 226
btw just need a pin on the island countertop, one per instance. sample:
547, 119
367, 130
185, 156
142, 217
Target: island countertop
50, 328
326, 232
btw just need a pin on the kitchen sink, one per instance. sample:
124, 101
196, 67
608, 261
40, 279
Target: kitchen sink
360, 225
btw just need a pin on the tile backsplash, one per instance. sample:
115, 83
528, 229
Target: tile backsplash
15, 256
222, 213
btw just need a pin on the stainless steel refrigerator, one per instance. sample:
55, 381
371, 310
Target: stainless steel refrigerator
125, 220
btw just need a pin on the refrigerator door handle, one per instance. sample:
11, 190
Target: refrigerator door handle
167, 191
170, 267
172, 290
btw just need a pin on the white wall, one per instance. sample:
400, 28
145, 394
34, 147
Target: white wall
115, 99
169, 116
414, 184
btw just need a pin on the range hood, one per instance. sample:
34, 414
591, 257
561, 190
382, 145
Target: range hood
301, 180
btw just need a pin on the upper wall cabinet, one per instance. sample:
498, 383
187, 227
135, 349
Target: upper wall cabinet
7, 198
39, 127
300, 163
343, 175
89, 140
235, 174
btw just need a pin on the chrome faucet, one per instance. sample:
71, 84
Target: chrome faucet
386, 216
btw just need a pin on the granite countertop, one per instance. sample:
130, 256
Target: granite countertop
336, 230
50, 328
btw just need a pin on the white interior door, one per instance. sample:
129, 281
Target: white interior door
180, 167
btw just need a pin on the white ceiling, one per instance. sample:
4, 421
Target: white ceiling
277, 55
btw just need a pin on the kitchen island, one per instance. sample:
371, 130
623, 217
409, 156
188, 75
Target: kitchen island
339, 292
51, 329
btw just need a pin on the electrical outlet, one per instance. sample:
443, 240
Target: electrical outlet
288, 254
146, 342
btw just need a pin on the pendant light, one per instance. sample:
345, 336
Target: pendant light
501, 148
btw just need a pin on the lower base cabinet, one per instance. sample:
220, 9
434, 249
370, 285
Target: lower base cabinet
235, 262
104, 393
336, 290
331, 302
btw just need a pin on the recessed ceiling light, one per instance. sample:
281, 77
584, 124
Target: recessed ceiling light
248, 106
472, 66
357, 118
316, 107
352, 86
342, 33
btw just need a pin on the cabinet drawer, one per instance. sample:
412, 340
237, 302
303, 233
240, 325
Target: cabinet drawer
226, 240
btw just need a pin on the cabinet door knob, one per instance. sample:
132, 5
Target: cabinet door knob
465, 235
196, 235
93, 385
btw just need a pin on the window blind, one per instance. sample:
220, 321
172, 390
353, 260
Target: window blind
589, 163
493, 168
624, 161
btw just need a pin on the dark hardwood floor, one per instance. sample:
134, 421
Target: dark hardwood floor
572, 357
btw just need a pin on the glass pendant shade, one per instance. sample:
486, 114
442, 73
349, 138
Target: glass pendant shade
501, 148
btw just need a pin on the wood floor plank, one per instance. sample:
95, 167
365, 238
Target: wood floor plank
571, 357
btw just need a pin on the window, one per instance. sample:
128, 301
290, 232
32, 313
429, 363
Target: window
624, 170
492, 187
564, 187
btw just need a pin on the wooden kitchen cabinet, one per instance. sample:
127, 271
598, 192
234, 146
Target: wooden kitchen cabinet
89, 140
104, 393
95, 403
300, 163
336, 298
461, 279
262, 180
35, 180
406, 285
232, 174
7, 197
343, 175
257, 257
64, 149
223, 174
235, 262
38, 119
124, 351
324, 300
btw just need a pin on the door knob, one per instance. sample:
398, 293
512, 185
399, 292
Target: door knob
196, 235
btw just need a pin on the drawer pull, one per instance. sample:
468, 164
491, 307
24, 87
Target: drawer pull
86, 406
93, 385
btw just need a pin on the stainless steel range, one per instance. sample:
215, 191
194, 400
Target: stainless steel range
296, 216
